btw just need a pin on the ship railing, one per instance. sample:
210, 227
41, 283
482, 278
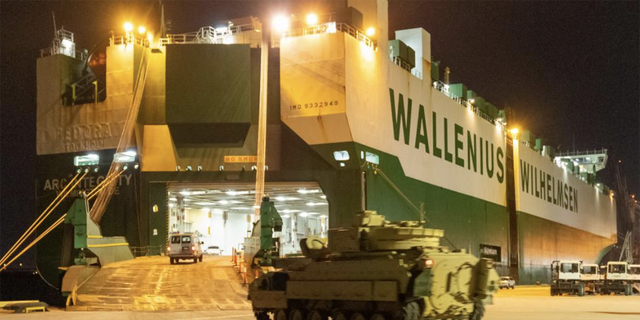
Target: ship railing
234, 34
129, 39
444, 88
416, 73
54, 50
146, 251
405, 65
329, 27
580, 153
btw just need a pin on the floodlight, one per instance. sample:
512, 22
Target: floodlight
371, 31
312, 19
128, 27
281, 23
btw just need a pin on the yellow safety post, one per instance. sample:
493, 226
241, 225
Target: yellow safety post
31, 309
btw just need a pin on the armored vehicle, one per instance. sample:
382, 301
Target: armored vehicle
377, 270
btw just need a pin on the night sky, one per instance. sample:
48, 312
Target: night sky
570, 70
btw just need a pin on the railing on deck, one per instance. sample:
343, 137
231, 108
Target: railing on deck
330, 27
240, 34
580, 153
444, 88
131, 38
52, 51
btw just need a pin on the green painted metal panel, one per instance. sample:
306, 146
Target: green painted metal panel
458, 90
201, 88
157, 212
120, 219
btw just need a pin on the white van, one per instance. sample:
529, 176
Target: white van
184, 246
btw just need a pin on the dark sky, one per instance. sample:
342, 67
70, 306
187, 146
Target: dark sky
569, 69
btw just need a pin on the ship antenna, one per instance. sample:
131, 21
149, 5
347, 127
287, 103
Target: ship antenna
55, 29
447, 71
162, 24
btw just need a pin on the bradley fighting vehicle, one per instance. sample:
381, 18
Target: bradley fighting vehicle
377, 270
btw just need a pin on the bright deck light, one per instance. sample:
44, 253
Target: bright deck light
312, 19
128, 27
281, 23
371, 31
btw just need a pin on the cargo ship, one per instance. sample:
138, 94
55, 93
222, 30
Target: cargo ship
351, 119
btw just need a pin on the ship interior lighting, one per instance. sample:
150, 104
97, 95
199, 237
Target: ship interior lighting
342, 164
173, 199
306, 191
280, 23
223, 202
286, 216
472, 100
281, 198
142, 29
303, 214
313, 204
128, 27
323, 216
236, 193
312, 19
185, 193
171, 205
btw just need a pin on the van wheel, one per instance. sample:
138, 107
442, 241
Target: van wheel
195, 260
171, 260
200, 258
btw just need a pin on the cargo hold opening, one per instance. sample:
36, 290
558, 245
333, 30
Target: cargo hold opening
223, 214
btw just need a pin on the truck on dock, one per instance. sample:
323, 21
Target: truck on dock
616, 279
566, 278
377, 270
591, 277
